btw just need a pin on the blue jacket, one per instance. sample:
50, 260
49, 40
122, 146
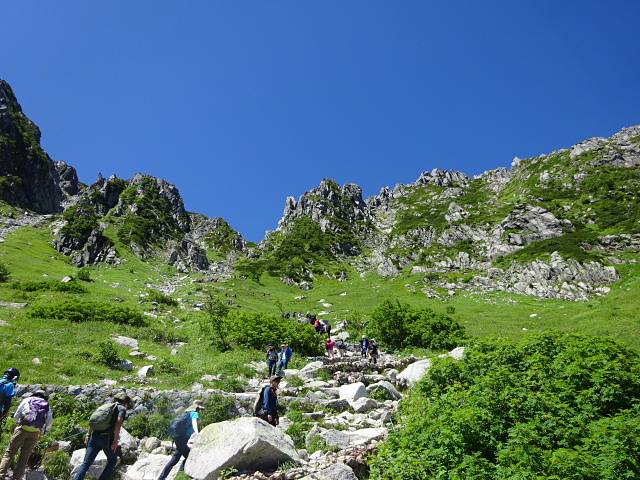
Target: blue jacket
286, 354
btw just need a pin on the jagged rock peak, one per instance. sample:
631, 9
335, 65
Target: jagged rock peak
29, 178
325, 200
443, 178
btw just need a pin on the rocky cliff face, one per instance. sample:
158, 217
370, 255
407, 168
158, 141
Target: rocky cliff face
540, 219
28, 177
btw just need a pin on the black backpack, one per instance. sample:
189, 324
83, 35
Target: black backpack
258, 404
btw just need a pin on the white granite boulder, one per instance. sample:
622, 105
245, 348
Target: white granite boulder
414, 372
149, 467
337, 471
247, 443
94, 470
353, 391
345, 439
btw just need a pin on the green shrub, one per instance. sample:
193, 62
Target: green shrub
107, 354
85, 311
553, 406
379, 394
50, 285
398, 326
84, 274
218, 409
57, 464
295, 380
230, 385
255, 330
161, 298
4, 273
298, 433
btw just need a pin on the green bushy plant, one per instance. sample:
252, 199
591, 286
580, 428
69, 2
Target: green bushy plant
298, 433
4, 273
218, 409
553, 406
230, 385
86, 311
161, 298
379, 394
57, 464
51, 286
84, 274
107, 354
398, 326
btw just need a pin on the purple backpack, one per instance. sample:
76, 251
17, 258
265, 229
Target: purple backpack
37, 415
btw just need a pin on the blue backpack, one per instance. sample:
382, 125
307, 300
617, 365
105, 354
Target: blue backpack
180, 425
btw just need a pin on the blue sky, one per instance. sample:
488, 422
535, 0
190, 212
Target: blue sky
241, 104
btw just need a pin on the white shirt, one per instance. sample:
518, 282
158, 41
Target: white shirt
24, 408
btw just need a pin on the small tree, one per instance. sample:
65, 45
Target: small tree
4, 273
214, 325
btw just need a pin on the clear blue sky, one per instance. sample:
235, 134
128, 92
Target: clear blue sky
241, 104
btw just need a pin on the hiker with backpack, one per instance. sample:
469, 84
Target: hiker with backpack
181, 429
364, 346
342, 348
103, 434
8, 390
373, 351
285, 356
270, 401
34, 420
272, 358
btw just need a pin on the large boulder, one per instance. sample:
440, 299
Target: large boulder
94, 471
150, 467
344, 439
337, 471
246, 444
353, 391
414, 372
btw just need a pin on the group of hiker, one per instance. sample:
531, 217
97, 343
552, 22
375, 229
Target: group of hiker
278, 361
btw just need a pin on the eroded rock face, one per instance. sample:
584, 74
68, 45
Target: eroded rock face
29, 178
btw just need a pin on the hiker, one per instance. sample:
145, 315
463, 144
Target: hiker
272, 358
34, 420
105, 436
8, 390
364, 346
285, 357
327, 328
342, 348
329, 346
373, 351
270, 401
318, 326
183, 427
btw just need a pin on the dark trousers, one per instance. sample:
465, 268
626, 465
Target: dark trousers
272, 367
97, 442
182, 450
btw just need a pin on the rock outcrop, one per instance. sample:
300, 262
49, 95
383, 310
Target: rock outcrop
28, 177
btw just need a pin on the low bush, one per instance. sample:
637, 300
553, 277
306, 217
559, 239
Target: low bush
161, 298
85, 311
51, 286
57, 464
398, 326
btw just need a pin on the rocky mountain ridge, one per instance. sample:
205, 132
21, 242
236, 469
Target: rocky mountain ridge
551, 226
